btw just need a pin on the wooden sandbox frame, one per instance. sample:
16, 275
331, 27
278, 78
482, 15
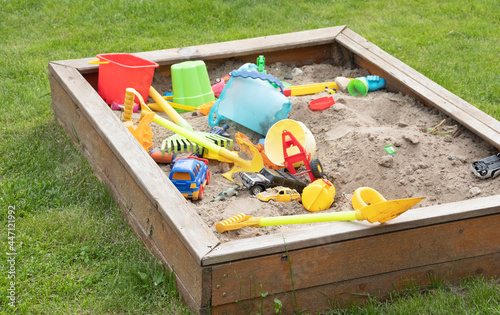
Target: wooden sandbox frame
338, 262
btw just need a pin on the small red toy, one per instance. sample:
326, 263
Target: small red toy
321, 103
313, 167
219, 85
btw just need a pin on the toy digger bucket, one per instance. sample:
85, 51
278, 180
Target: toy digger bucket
370, 205
248, 159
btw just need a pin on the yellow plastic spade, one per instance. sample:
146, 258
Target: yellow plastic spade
368, 205
375, 208
248, 159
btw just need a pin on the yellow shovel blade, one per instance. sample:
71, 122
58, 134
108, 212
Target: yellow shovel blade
249, 159
311, 88
387, 210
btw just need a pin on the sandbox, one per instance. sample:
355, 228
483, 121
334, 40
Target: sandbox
330, 262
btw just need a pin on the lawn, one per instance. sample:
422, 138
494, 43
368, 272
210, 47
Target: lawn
75, 252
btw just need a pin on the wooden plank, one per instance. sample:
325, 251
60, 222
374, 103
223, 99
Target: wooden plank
80, 131
357, 258
394, 70
298, 57
324, 233
142, 215
244, 47
357, 291
175, 209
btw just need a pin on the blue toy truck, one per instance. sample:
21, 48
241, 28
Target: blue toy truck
190, 175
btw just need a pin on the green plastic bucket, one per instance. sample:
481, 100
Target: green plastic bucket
190, 84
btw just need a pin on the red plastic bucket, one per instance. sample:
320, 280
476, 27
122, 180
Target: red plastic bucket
123, 71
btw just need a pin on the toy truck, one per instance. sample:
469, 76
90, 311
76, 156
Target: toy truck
190, 175
488, 167
267, 178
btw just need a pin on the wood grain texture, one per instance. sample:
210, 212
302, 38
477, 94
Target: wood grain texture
346, 293
356, 258
143, 215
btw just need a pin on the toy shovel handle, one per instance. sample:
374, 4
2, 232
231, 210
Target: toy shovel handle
169, 110
98, 62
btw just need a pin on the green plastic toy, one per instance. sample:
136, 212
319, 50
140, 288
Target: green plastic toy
191, 84
261, 63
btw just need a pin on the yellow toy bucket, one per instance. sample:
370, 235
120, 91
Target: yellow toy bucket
274, 141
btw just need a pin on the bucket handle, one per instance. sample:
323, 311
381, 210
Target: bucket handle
98, 62
213, 116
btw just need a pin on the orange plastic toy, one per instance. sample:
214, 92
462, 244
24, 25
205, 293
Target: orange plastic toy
142, 132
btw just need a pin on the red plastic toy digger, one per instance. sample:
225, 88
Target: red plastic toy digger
313, 167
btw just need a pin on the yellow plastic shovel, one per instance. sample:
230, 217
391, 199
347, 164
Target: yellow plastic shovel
311, 88
368, 205
248, 159
375, 208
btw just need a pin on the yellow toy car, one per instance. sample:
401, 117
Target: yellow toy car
279, 193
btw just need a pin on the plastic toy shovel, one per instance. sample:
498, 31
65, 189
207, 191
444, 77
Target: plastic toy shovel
368, 205
248, 159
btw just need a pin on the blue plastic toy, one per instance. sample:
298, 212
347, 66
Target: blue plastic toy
251, 101
190, 175
362, 85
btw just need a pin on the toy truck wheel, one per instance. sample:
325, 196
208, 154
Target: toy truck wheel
316, 168
254, 190
200, 192
208, 177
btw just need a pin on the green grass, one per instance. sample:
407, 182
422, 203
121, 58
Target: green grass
76, 254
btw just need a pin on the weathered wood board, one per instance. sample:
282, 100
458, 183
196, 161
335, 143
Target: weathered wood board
339, 262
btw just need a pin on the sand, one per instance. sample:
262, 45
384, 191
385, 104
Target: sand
350, 138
